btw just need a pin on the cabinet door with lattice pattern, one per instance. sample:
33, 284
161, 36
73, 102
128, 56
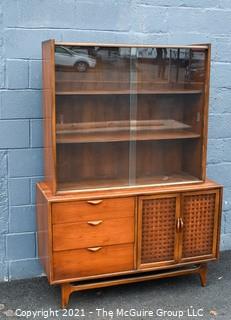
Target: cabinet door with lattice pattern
200, 225
158, 239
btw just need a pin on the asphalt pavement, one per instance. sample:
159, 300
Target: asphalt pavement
173, 298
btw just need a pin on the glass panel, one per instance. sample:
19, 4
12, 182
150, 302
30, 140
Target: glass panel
169, 114
92, 116
92, 70
128, 116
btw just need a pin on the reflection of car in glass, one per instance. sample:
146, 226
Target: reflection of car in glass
80, 60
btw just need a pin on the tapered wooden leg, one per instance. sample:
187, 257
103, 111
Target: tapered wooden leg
203, 274
65, 294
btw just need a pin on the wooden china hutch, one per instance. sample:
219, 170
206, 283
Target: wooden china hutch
125, 197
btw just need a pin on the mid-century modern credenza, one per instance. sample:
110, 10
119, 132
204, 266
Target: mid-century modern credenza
125, 197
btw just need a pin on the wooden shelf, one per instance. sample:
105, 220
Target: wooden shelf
125, 136
126, 92
124, 130
180, 177
72, 86
126, 82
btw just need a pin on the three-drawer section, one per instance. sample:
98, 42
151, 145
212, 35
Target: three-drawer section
92, 237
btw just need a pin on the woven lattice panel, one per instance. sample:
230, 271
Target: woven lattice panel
158, 229
198, 217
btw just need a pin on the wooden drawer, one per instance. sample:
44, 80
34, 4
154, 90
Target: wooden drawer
83, 262
67, 212
93, 233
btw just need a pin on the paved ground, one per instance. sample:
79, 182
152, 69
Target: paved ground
175, 295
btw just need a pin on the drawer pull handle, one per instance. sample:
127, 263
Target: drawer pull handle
94, 201
178, 225
95, 223
181, 224
94, 249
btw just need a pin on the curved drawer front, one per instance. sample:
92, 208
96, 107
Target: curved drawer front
76, 211
93, 233
79, 263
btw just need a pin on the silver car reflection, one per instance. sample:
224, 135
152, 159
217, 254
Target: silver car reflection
79, 60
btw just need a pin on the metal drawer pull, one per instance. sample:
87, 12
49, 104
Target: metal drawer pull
94, 201
95, 223
94, 249
178, 224
181, 224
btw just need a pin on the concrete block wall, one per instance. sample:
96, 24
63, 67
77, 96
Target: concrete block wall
23, 25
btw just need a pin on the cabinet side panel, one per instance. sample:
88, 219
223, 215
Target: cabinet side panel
43, 230
49, 113
217, 222
206, 113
